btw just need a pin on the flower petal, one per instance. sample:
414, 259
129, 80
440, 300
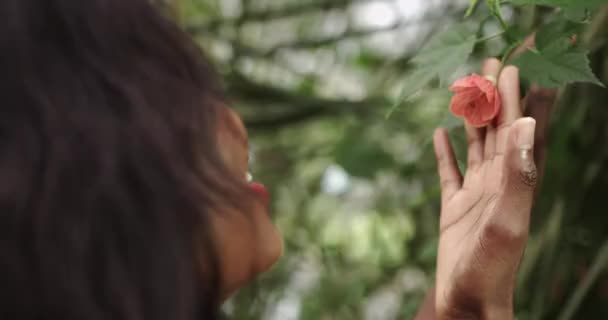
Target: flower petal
487, 110
463, 83
477, 100
475, 119
484, 85
469, 95
458, 108
463, 99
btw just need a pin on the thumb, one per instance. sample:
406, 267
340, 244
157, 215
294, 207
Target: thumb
520, 178
521, 175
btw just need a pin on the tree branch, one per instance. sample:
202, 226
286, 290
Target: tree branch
277, 13
320, 42
297, 107
314, 43
279, 121
264, 95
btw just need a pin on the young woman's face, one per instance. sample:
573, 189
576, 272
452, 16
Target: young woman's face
248, 243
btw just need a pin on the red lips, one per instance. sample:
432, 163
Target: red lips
260, 190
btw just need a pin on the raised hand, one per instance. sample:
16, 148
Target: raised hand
485, 214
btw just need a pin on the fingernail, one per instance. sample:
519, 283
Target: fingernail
491, 78
525, 137
524, 154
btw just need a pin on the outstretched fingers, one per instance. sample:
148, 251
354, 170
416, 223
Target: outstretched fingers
491, 68
512, 214
447, 167
508, 86
475, 142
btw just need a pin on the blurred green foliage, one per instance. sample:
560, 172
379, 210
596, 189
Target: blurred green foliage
355, 194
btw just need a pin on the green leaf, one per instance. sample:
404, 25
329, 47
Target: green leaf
576, 14
440, 59
491, 4
562, 3
557, 61
360, 155
552, 69
415, 81
443, 56
557, 35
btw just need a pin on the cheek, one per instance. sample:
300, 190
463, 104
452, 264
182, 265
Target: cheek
235, 157
269, 241
236, 259
234, 154
232, 142
248, 244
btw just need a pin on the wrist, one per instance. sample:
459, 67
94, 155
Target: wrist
499, 312
483, 313
466, 307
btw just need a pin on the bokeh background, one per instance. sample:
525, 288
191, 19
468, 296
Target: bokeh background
356, 194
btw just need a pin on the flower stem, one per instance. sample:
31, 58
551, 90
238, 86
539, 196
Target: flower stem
497, 12
494, 36
503, 24
506, 56
508, 53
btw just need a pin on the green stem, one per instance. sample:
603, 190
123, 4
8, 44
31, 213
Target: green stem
497, 12
503, 24
506, 56
508, 52
494, 36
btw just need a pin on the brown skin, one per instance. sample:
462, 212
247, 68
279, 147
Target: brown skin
484, 290
486, 213
249, 244
484, 220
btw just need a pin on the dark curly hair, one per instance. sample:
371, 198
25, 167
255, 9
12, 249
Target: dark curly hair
109, 165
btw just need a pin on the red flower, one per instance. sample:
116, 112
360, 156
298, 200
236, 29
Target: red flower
476, 100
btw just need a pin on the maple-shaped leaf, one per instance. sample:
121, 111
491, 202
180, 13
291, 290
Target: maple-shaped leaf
441, 58
552, 68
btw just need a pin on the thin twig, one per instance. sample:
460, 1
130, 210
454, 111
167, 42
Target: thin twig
599, 264
320, 42
297, 9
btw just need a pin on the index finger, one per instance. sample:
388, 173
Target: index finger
508, 86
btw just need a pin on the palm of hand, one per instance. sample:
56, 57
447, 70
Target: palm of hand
485, 216
466, 229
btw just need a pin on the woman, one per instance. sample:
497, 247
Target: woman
124, 188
